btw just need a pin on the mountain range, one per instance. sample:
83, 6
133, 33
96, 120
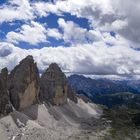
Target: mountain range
54, 107
35, 107
103, 86
105, 91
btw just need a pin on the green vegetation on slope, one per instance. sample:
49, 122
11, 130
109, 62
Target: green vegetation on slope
124, 123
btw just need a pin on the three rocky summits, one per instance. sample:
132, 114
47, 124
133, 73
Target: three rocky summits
23, 87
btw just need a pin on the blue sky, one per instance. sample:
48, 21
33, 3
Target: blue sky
51, 22
83, 36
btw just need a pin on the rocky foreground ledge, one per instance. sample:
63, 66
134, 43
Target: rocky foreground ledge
46, 107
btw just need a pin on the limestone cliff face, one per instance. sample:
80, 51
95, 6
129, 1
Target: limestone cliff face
5, 106
54, 86
71, 94
24, 84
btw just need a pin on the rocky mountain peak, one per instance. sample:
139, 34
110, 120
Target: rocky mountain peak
55, 72
54, 86
24, 84
29, 58
23, 87
4, 75
54, 66
5, 106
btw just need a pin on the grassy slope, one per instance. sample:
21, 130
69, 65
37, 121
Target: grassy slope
123, 126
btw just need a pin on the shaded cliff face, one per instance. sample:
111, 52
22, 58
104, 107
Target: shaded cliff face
5, 106
24, 84
54, 86
71, 94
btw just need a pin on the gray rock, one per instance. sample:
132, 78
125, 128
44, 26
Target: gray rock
71, 94
24, 84
54, 86
5, 106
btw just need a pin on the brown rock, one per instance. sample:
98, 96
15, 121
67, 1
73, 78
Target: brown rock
24, 84
54, 86
5, 105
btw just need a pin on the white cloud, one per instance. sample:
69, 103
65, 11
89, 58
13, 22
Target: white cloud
33, 33
130, 10
16, 10
44, 8
88, 52
53, 32
119, 15
72, 32
104, 15
10, 55
87, 59
118, 25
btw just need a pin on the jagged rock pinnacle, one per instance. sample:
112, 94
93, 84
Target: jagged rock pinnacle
24, 84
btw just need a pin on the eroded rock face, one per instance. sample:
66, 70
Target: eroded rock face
5, 106
24, 84
71, 94
54, 86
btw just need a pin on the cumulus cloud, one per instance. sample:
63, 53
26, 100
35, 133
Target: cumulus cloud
10, 55
16, 10
74, 34
33, 33
86, 59
105, 15
44, 8
53, 32
130, 10
5, 50
91, 50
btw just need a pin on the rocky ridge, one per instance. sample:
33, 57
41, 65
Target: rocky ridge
45, 107
24, 84
5, 106
23, 87
54, 86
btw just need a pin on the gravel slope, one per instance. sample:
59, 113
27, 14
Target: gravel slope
72, 121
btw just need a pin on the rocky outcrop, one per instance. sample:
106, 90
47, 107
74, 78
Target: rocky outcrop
71, 94
5, 106
22, 87
54, 87
24, 84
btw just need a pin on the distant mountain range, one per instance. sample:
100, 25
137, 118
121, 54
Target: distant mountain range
103, 86
107, 92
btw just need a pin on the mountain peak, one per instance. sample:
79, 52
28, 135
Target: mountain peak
24, 84
29, 58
